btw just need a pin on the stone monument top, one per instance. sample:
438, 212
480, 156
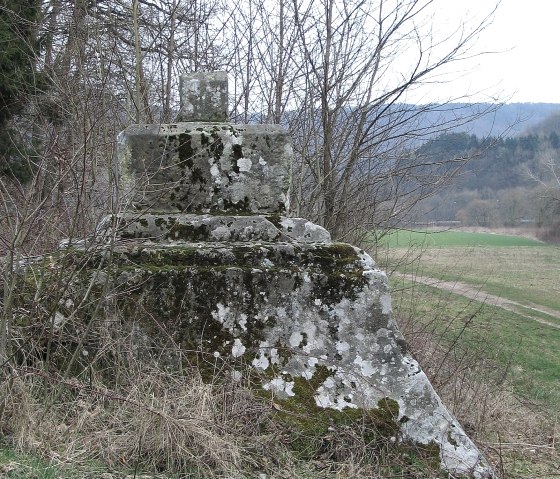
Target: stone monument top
203, 163
204, 97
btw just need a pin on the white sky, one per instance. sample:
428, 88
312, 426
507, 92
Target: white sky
526, 33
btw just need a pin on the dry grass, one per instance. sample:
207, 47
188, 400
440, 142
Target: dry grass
176, 425
128, 408
157, 421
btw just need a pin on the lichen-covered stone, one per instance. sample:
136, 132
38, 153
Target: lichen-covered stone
291, 311
204, 167
205, 253
204, 97
176, 228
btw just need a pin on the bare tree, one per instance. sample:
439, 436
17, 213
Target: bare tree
333, 71
330, 70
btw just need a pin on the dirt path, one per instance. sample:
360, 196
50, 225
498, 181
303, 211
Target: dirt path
470, 292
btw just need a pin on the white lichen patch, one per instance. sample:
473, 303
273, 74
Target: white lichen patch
316, 233
238, 349
342, 346
322, 399
274, 357
261, 362
216, 97
324, 393
366, 261
224, 316
287, 223
244, 164
215, 172
193, 86
366, 367
266, 263
221, 233
283, 389
313, 340
242, 322
385, 301
295, 339
58, 320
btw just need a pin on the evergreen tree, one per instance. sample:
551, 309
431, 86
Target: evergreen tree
18, 48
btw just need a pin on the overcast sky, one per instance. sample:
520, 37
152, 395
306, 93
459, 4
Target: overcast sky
526, 33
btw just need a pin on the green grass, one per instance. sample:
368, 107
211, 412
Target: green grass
17, 465
532, 312
25, 466
448, 238
516, 268
527, 349
528, 274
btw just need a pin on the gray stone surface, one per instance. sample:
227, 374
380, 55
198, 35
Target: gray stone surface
178, 228
204, 167
204, 97
292, 311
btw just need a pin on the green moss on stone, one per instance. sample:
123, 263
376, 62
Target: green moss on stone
316, 431
188, 232
237, 153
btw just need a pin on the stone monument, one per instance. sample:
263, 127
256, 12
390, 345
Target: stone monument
204, 243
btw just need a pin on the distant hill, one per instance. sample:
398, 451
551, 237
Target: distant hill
550, 125
508, 120
505, 181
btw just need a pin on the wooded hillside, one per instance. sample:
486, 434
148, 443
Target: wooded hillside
508, 182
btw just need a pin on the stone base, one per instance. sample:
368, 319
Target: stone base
170, 228
289, 310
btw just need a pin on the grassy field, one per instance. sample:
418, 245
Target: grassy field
525, 350
517, 268
521, 354
448, 239
520, 269
523, 270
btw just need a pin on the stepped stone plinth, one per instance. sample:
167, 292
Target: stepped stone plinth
204, 248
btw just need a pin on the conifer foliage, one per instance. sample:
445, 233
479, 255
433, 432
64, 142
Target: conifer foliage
18, 48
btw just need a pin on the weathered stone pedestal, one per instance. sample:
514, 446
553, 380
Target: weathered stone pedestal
204, 245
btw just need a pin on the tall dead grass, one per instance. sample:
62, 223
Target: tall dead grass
139, 406
144, 416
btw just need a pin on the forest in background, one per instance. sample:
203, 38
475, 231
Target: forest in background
510, 181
